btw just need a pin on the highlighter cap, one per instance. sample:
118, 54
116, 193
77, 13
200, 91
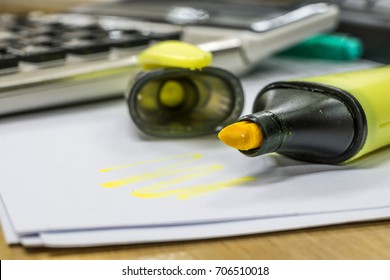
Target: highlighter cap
174, 54
177, 95
178, 102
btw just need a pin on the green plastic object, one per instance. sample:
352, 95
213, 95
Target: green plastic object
328, 46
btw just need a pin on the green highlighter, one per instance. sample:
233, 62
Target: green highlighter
328, 46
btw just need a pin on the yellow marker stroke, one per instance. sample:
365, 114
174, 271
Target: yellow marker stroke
191, 157
193, 174
180, 175
163, 172
186, 193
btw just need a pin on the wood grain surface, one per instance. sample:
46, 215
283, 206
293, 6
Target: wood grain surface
356, 241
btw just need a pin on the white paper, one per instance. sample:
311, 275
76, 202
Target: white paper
198, 231
10, 235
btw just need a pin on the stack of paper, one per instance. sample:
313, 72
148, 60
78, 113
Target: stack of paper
85, 176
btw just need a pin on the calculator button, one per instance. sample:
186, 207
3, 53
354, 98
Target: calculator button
31, 30
7, 61
127, 39
85, 46
83, 33
36, 40
176, 35
36, 53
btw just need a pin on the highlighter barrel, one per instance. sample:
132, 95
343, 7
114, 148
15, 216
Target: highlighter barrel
308, 121
330, 119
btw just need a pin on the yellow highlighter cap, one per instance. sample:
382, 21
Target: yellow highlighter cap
174, 54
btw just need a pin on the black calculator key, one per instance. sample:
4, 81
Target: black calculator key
85, 47
8, 61
3, 46
36, 53
127, 39
92, 28
176, 35
36, 40
25, 27
82, 33
56, 26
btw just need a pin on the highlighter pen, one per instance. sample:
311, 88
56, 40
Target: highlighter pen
328, 119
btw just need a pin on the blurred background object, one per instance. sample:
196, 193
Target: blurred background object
88, 52
24, 6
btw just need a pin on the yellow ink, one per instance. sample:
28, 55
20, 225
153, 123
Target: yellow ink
191, 157
189, 192
176, 174
162, 172
194, 173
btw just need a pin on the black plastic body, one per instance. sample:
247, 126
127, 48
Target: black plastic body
308, 121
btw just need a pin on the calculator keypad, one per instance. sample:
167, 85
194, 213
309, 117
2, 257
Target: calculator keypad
40, 39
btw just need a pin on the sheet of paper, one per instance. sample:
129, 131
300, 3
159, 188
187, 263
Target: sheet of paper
198, 231
10, 234
88, 169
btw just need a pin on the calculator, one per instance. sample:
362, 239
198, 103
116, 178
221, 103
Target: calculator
89, 53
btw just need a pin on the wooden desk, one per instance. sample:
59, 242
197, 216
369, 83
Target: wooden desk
356, 241
353, 241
